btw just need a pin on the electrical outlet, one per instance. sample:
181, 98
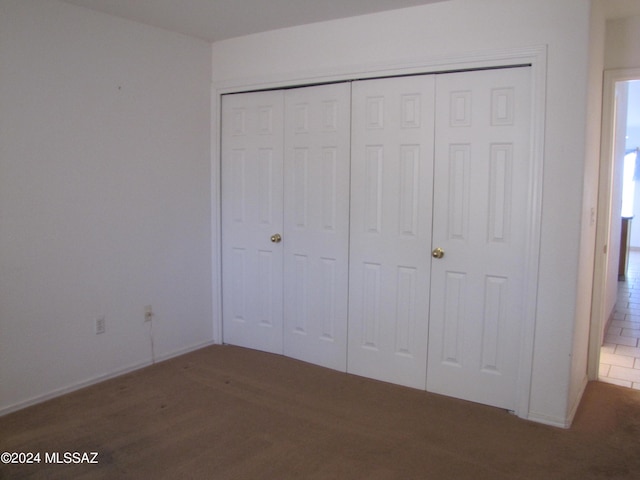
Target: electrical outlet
100, 325
148, 313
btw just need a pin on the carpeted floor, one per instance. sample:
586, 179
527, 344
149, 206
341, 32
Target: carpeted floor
229, 413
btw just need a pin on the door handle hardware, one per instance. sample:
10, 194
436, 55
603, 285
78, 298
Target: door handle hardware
276, 238
437, 253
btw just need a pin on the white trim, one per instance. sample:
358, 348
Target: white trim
101, 378
538, 103
576, 403
601, 262
559, 421
216, 223
536, 56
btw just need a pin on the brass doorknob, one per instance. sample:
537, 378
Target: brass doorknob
437, 253
276, 238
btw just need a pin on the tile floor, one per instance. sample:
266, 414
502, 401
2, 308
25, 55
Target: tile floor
620, 353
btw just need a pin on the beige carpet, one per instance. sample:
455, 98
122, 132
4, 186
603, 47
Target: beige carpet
229, 413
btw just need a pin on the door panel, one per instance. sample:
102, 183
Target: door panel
479, 220
391, 194
316, 223
252, 202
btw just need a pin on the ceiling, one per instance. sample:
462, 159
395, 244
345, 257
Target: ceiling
215, 20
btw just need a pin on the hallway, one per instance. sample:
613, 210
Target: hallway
620, 352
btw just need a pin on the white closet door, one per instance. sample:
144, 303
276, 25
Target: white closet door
252, 202
480, 214
391, 195
316, 223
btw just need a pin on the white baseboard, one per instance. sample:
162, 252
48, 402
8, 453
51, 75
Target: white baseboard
576, 402
547, 420
101, 378
558, 421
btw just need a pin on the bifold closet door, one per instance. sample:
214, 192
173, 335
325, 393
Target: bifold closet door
391, 207
252, 148
422, 248
481, 196
316, 223
285, 221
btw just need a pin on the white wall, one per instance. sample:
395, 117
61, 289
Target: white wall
633, 118
104, 196
616, 197
622, 41
455, 28
633, 142
592, 121
633, 133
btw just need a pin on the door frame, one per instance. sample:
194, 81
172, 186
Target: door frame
534, 56
599, 315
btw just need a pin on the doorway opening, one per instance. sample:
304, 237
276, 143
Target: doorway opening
618, 271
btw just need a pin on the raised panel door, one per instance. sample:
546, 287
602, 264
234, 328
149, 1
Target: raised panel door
316, 223
482, 163
391, 191
252, 204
